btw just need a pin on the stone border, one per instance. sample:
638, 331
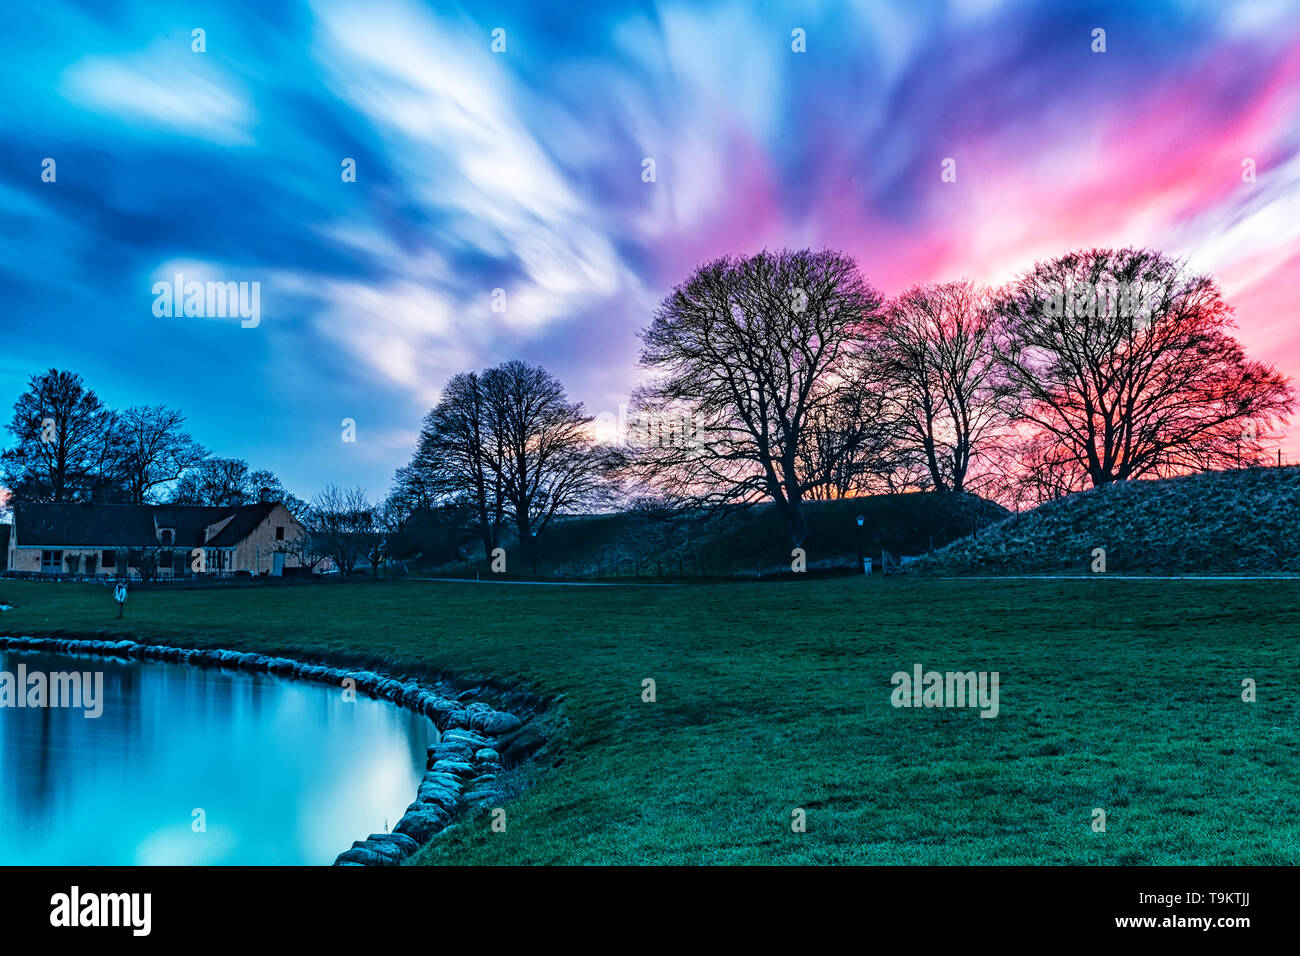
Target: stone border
462, 768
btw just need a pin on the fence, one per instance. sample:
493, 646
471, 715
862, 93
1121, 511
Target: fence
212, 577
686, 566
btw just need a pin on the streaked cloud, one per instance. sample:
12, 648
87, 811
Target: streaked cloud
168, 87
521, 171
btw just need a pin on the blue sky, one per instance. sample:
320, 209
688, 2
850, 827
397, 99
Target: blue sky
522, 170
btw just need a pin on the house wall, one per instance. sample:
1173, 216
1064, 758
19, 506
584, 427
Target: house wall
29, 559
20, 559
255, 552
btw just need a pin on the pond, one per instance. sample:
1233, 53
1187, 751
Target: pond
190, 765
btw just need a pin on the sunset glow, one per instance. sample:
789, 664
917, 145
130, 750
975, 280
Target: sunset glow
522, 170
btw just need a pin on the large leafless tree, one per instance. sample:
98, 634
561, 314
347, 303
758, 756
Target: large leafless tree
216, 482
757, 352
154, 450
71, 447
509, 444
65, 441
942, 381
1127, 368
548, 462
459, 456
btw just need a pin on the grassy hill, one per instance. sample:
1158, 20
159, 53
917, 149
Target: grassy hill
749, 543
1226, 521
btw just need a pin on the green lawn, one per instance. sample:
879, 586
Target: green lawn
1124, 695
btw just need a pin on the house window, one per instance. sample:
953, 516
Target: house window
279, 533
51, 562
108, 559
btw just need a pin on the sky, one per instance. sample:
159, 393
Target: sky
524, 169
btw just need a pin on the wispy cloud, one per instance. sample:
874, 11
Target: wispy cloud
169, 87
521, 171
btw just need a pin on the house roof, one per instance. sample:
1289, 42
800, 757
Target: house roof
55, 524
63, 523
246, 519
189, 521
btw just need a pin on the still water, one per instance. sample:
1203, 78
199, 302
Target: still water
284, 772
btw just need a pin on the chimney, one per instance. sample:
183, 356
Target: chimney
265, 496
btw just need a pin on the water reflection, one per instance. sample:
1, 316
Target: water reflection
286, 772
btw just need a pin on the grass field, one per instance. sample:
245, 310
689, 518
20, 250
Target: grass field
1115, 694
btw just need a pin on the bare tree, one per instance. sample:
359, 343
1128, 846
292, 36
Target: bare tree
214, 482
148, 561
1126, 368
459, 456
228, 483
387, 520
266, 481
941, 377
849, 448
507, 444
1035, 469
104, 480
305, 546
547, 460
340, 523
155, 450
756, 352
64, 441
415, 489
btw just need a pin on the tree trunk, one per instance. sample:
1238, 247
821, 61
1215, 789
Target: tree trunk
796, 521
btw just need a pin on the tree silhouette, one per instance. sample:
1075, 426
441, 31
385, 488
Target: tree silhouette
941, 377
755, 352
1126, 368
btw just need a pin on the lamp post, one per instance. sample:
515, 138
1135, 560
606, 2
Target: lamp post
533, 535
862, 564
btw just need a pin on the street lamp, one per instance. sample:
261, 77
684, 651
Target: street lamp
862, 564
533, 535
